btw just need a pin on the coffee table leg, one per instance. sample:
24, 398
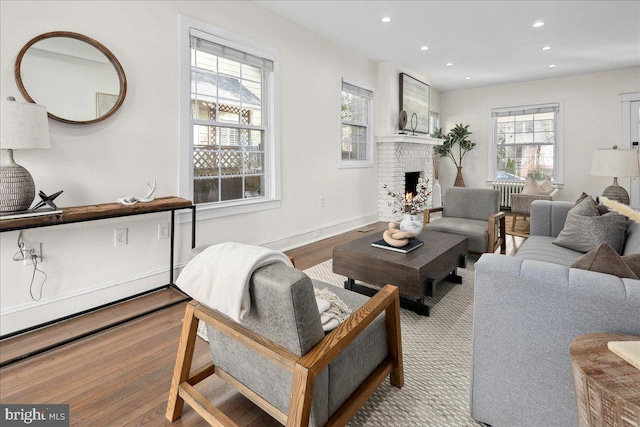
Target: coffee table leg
421, 308
348, 284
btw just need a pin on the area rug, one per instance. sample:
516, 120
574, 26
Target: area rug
437, 361
522, 226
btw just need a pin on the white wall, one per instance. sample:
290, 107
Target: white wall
592, 119
101, 162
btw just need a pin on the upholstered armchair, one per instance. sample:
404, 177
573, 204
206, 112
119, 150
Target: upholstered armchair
279, 357
521, 204
473, 212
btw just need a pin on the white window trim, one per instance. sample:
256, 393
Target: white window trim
558, 161
369, 162
272, 197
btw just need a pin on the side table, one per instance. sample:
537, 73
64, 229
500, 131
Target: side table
607, 387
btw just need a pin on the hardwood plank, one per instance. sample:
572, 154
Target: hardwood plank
122, 376
15, 347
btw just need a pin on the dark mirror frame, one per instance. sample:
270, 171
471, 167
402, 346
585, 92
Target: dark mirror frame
114, 61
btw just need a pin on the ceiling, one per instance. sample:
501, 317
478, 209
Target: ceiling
493, 42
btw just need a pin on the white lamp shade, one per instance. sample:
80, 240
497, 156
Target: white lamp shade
615, 163
23, 126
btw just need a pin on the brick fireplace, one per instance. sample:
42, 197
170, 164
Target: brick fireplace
398, 155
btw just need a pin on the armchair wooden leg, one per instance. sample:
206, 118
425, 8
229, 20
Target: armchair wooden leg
183, 363
503, 240
394, 341
513, 220
301, 394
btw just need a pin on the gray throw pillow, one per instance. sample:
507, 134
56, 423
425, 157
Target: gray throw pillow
584, 229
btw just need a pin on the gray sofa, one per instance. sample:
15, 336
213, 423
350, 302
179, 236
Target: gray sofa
528, 309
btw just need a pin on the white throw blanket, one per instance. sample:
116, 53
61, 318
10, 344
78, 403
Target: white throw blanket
333, 310
219, 276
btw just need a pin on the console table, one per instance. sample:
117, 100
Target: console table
100, 212
607, 387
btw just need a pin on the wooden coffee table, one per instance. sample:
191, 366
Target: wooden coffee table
416, 273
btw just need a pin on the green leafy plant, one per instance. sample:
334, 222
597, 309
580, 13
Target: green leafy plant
459, 136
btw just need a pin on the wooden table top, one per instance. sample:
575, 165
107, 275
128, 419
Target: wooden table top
435, 243
94, 212
433, 261
606, 371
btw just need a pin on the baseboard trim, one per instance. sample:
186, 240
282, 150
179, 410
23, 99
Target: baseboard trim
316, 234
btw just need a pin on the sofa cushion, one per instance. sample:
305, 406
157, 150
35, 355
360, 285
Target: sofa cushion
604, 259
602, 209
632, 242
540, 248
584, 229
476, 230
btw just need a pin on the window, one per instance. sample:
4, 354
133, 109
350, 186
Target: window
228, 144
356, 136
526, 141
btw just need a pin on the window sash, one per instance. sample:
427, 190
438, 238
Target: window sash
532, 152
355, 125
216, 165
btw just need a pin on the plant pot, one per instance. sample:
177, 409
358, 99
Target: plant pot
411, 224
459, 180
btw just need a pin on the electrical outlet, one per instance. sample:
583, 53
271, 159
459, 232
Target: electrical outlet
163, 230
30, 250
322, 202
121, 237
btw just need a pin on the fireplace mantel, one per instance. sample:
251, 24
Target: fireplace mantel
414, 139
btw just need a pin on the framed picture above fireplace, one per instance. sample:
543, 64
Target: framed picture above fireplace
414, 99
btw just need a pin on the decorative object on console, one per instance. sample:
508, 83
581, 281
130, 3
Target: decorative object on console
132, 200
456, 136
47, 200
614, 162
414, 99
24, 126
74, 56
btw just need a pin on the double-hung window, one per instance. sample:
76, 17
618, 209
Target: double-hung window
231, 142
356, 147
527, 142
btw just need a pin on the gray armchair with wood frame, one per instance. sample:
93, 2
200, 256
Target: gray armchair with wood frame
472, 212
279, 356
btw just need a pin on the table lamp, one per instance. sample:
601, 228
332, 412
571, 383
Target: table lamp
23, 126
616, 163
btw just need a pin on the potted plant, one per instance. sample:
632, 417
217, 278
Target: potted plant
456, 136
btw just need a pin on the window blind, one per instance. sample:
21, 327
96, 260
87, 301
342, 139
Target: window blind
356, 90
525, 111
226, 52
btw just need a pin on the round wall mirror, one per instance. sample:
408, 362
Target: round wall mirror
78, 79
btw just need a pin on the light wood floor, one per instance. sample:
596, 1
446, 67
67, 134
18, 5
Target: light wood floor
121, 376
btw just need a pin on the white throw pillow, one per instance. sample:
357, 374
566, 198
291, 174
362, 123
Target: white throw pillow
532, 188
546, 186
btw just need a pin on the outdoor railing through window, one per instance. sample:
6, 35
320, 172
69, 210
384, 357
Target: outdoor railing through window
228, 96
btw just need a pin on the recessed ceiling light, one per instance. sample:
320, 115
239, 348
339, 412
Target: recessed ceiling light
538, 24
546, 48
385, 19
468, 78
424, 47
552, 66
449, 64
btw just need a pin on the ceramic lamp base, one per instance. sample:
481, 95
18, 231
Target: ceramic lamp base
17, 189
616, 193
